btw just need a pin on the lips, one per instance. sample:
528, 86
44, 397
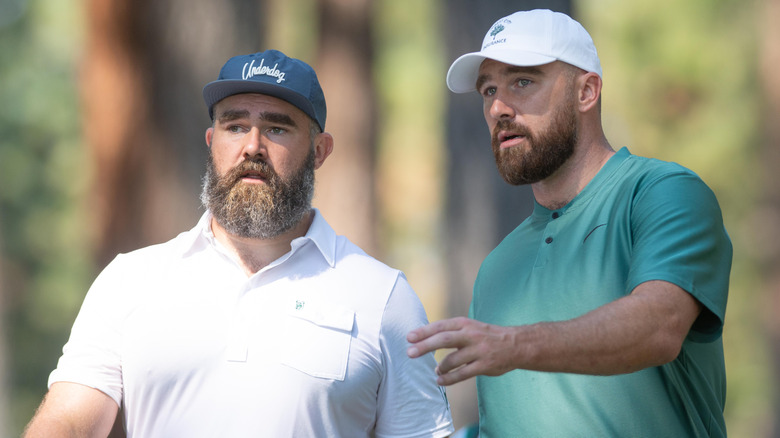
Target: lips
504, 136
252, 172
252, 175
508, 139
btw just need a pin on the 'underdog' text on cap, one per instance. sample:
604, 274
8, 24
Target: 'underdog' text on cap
249, 71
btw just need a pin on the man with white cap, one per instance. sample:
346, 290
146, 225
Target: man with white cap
601, 314
260, 321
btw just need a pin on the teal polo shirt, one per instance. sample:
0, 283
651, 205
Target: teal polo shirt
639, 219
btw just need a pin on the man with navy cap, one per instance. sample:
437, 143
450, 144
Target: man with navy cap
601, 314
260, 321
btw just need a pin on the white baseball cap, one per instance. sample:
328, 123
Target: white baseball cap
527, 38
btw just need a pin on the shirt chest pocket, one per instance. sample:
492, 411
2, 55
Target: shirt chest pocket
317, 339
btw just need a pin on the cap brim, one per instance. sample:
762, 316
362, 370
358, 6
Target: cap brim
463, 73
215, 91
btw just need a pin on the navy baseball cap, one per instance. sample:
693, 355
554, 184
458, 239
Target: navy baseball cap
271, 73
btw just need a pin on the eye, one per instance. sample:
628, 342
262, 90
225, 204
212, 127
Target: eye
488, 91
234, 129
522, 83
277, 130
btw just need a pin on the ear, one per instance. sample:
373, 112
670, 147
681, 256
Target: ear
590, 91
323, 146
209, 136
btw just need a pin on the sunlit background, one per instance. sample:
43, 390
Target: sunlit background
102, 149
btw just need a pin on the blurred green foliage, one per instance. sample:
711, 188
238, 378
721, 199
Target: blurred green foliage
45, 262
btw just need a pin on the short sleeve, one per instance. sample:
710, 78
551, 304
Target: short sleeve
410, 402
91, 356
679, 237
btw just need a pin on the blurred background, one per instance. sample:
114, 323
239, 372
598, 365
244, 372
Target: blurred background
102, 148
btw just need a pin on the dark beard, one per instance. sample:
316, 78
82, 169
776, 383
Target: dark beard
545, 152
261, 211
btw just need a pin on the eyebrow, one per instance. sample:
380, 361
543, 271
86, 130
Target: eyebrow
270, 116
280, 118
230, 115
509, 70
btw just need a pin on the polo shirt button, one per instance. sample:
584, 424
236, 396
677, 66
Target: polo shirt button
556, 215
548, 240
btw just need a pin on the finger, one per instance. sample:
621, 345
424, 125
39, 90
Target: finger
456, 359
424, 347
457, 375
445, 339
431, 329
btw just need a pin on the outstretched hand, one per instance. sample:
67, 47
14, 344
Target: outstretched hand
481, 349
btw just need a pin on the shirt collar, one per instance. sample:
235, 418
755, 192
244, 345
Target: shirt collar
593, 186
198, 237
320, 233
323, 236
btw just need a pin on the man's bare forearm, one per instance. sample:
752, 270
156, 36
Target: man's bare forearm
641, 330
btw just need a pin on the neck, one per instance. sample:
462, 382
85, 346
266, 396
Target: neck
567, 182
253, 253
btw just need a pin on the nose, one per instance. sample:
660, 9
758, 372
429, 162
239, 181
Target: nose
253, 144
500, 108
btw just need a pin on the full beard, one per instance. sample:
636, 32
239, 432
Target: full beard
544, 153
261, 211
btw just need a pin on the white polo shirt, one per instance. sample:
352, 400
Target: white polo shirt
313, 345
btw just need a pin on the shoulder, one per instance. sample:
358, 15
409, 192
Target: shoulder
647, 170
375, 282
671, 181
353, 260
343, 255
154, 254
133, 271
664, 183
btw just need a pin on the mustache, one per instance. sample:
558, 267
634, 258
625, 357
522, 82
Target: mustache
509, 125
257, 167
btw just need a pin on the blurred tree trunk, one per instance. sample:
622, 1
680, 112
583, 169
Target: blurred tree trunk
144, 117
144, 66
770, 212
481, 207
345, 188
